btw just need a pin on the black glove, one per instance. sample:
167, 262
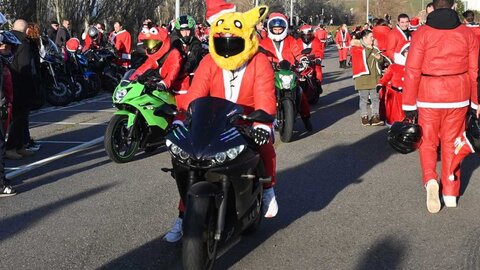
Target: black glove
318, 61
411, 115
378, 88
260, 135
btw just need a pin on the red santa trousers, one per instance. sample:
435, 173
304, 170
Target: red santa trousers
342, 54
393, 106
444, 126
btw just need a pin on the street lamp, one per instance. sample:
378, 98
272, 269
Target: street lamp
368, 11
177, 8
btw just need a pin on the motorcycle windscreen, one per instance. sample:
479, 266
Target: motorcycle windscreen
210, 131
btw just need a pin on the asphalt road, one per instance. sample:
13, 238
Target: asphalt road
347, 201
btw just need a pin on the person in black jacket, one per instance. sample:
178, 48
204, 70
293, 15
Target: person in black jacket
189, 47
63, 34
52, 30
23, 91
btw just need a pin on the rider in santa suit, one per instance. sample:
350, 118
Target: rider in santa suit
281, 46
307, 40
122, 41
234, 70
322, 35
441, 83
398, 37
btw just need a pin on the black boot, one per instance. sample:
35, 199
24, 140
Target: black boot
341, 64
344, 64
307, 123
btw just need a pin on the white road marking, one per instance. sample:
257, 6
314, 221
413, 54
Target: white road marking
26, 168
71, 123
107, 110
60, 142
54, 109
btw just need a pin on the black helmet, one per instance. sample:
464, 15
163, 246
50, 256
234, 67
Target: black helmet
185, 22
473, 132
405, 137
93, 32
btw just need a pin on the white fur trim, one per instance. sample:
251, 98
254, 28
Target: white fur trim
401, 32
215, 16
398, 58
264, 127
446, 105
367, 70
468, 142
409, 107
474, 106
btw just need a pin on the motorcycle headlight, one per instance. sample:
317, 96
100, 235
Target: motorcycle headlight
177, 151
230, 154
286, 81
120, 94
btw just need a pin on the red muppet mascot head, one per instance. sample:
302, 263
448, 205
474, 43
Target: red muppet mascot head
155, 41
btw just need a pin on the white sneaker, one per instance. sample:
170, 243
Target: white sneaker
433, 198
176, 232
450, 201
270, 206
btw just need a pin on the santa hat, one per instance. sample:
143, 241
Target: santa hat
414, 23
463, 148
216, 8
306, 28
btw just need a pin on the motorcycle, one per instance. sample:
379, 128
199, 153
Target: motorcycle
289, 93
134, 126
305, 69
101, 62
86, 81
219, 175
57, 87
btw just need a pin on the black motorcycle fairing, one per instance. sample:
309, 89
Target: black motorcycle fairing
209, 130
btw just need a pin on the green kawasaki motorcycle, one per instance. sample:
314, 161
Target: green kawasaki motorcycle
134, 127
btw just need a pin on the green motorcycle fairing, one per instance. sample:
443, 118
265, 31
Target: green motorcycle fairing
144, 103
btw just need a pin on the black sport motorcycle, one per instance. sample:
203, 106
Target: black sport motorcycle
219, 174
101, 61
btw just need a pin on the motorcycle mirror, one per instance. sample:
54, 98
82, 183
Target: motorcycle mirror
259, 116
165, 110
306, 51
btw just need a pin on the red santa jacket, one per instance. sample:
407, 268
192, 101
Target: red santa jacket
359, 59
439, 75
92, 43
316, 45
288, 49
256, 90
169, 71
393, 76
395, 41
380, 33
322, 35
343, 39
475, 28
123, 43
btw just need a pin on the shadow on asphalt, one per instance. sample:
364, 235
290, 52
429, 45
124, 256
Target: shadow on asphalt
469, 165
11, 226
386, 253
335, 76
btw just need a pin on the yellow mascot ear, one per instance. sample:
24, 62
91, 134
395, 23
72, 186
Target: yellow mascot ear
254, 15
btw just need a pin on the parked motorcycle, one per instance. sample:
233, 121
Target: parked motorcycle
56, 85
101, 62
219, 174
134, 126
86, 81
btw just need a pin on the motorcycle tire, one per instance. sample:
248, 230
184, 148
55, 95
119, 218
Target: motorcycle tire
95, 84
81, 87
287, 112
116, 136
61, 95
199, 247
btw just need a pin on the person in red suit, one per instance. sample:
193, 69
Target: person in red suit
239, 74
122, 40
281, 46
398, 36
162, 57
94, 39
307, 40
321, 34
392, 82
380, 34
342, 39
440, 84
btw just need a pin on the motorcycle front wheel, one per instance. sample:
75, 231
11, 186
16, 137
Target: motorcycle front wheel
60, 94
119, 147
287, 120
199, 247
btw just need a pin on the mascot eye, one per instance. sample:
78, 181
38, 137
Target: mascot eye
153, 31
219, 22
144, 31
238, 24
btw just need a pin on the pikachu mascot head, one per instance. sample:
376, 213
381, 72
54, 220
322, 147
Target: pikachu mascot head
233, 39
